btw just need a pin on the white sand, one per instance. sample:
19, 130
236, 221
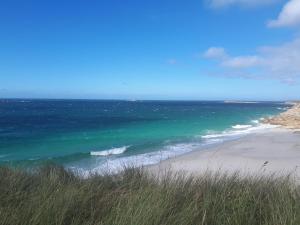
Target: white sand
275, 151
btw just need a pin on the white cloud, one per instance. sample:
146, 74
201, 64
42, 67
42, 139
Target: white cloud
215, 53
242, 61
289, 16
277, 62
234, 62
225, 3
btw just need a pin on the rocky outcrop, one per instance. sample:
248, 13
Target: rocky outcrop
288, 119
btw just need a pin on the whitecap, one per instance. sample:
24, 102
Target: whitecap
238, 126
113, 151
115, 165
242, 102
235, 133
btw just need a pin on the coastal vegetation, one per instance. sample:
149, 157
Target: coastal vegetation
53, 195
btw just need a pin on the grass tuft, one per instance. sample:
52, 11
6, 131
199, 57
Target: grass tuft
53, 195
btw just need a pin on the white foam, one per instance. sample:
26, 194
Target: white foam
213, 141
242, 102
239, 132
114, 165
241, 126
113, 151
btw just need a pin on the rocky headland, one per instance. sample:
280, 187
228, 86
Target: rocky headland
288, 119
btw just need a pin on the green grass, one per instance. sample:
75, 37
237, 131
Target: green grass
52, 195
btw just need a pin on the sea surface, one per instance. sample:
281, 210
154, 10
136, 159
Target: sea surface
98, 135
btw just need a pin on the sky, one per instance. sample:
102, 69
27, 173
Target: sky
158, 49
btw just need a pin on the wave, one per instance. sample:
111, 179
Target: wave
241, 126
113, 151
236, 133
283, 108
3, 156
115, 165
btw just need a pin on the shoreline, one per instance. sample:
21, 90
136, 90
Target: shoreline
209, 141
289, 119
275, 151
155, 159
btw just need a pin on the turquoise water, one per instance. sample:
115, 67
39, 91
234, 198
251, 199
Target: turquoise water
88, 134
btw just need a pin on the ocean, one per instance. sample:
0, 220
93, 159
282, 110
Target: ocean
101, 135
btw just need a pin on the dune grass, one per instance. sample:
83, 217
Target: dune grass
52, 195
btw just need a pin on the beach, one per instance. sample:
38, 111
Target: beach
273, 151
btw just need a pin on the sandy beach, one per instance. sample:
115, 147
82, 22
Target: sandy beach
271, 151
274, 151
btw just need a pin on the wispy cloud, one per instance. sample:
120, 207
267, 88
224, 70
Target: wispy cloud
248, 3
172, 61
215, 53
243, 61
277, 62
289, 15
221, 55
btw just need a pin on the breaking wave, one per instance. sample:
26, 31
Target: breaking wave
113, 151
114, 165
241, 126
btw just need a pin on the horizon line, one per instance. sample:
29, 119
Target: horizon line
136, 100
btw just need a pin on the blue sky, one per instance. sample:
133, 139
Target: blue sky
159, 49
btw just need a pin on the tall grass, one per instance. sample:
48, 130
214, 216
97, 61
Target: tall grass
52, 195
